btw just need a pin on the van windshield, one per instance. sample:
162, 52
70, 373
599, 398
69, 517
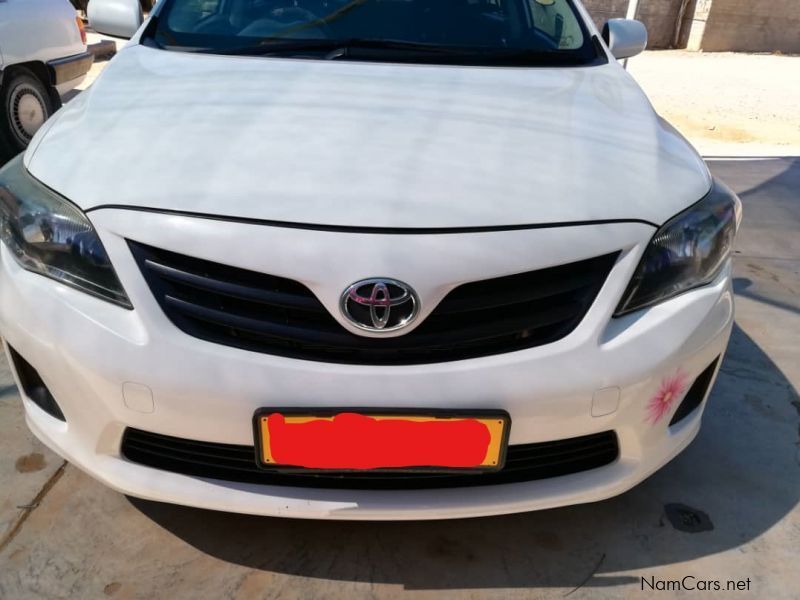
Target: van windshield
470, 32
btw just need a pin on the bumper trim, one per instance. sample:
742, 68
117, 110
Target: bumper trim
32, 385
70, 68
228, 462
696, 394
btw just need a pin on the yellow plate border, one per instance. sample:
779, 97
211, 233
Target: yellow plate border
498, 421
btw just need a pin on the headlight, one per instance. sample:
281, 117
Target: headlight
50, 236
687, 252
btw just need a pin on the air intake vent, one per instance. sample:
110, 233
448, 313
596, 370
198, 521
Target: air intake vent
227, 462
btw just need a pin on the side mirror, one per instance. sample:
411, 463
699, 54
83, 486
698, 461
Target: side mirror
117, 18
624, 37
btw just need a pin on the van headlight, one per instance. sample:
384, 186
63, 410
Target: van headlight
50, 236
688, 251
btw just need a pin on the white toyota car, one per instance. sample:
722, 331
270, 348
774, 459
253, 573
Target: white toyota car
366, 259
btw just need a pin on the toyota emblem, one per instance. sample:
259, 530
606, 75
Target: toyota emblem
380, 305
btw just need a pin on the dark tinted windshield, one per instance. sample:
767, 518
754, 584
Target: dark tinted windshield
515, 32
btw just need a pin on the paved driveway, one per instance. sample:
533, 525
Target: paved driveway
64, 536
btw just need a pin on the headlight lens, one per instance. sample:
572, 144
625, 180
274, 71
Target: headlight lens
50, 236
687, 252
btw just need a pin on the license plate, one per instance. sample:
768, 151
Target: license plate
348, 440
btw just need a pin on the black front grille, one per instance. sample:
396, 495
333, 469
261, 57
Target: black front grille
528, 462
275, 315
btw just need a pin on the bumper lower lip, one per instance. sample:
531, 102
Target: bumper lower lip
89, 351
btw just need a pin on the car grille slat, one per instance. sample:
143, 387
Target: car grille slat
274, 315
556, 450
250, 325
234, 290
177, 457
230, 462
476, 333
519, 289
195, 454
556, 462
145, 437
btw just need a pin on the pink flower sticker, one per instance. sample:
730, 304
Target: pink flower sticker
670, 391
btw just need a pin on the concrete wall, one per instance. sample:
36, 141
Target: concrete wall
603, 10
713, 25
659, 16
752, 26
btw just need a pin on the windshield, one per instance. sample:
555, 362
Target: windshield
502, 32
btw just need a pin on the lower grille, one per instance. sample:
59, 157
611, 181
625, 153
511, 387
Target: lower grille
528, 462
274, 315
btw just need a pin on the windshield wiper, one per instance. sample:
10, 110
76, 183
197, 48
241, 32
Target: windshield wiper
272, 47
369, 49
331, 48
346, 46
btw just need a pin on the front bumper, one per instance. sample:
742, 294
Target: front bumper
87, 351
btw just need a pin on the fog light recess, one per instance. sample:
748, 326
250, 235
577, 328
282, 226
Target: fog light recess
33, 386
694, 397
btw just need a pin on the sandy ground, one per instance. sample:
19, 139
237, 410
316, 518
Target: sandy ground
727, 104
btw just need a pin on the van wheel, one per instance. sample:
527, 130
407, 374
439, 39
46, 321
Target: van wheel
25, 105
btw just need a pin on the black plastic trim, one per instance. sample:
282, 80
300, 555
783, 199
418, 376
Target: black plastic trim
235, 463
366, 230
33, 386
70, 67
697, 392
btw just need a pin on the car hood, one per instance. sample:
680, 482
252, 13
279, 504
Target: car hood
367, 144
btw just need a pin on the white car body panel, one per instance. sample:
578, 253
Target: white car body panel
39, 30
369, 145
